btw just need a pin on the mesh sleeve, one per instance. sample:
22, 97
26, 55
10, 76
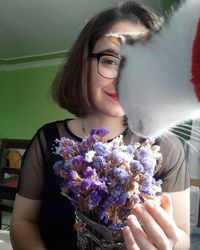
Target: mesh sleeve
174, 170
31, 177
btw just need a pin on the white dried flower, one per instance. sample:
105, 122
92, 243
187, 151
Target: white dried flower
90, 155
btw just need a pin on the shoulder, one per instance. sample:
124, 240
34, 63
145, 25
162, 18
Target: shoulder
171, 145
49, 131
172, 150
54, 126
174, 171
57, 123
170, 141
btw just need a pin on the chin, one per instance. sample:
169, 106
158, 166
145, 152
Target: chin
114, 111
119, 114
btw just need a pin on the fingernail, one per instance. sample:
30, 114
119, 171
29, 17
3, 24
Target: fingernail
149, 204
138, 208
132, 217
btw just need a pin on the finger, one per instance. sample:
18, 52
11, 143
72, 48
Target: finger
152, 229
139, 235
166, 203
129, 239
165, 221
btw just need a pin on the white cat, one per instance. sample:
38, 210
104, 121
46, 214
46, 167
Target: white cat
159, 85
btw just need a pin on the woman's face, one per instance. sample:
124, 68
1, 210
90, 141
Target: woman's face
103, 90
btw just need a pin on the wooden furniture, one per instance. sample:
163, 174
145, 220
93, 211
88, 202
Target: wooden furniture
195, 182
9, 172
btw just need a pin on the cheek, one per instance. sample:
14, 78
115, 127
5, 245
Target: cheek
97, 81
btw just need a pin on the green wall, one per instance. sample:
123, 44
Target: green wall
25, 102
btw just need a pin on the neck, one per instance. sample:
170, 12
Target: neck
113, 124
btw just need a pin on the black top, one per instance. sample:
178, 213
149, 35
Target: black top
39, 182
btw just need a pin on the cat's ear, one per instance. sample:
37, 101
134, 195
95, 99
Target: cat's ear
116, 40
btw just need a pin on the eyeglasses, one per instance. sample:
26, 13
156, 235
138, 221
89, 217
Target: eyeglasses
107, 64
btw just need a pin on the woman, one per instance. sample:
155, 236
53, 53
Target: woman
86, 87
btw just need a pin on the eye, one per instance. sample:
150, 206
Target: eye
109, 61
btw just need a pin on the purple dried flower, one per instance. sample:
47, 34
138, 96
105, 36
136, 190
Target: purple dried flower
86, 183
105, 220
78, 159
101, 149
103, 213
99, 162
117, 191
75, 189
124, 213
121, 199
68, 164
120, 174
148, 163
135, 165
94, 200
102, 131
93, 131
116, 227
145, 190
143, 153
131, 149
90, 172
117, 157
73, 175
96, 184
147, 183
135, 198
106, 178
74, 181
68, 149
57, 166
87, 144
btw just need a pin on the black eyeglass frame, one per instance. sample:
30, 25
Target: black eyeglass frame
98, 56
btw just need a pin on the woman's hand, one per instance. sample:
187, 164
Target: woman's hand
152, 227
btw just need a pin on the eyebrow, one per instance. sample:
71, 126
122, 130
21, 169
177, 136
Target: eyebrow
110, 51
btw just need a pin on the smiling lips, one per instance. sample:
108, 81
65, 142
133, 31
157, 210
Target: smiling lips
114, 96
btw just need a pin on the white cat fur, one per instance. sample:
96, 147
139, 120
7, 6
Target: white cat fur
155, 89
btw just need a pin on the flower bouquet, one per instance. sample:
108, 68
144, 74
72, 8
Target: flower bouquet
104, 180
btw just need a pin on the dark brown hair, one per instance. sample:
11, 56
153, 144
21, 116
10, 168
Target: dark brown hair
71, 89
